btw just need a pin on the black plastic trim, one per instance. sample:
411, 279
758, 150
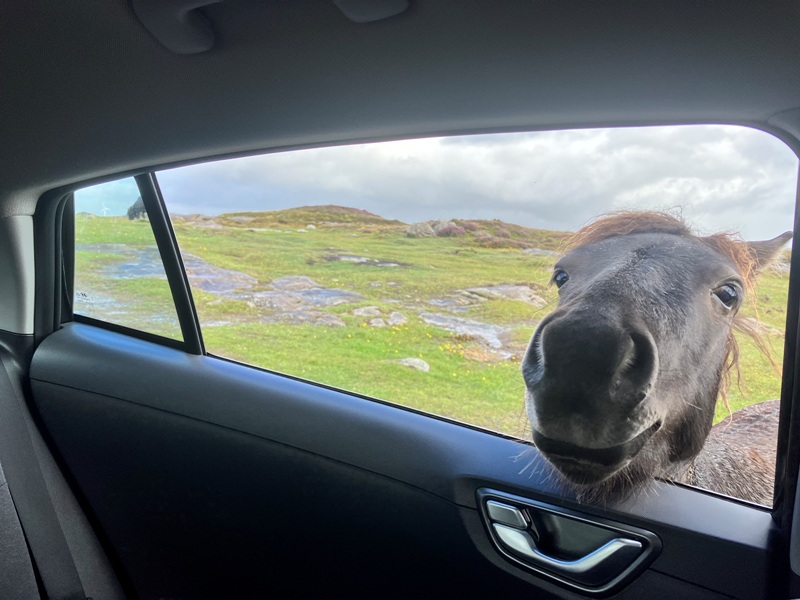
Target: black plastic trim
47, 258
172, 261
788, 453
135, 333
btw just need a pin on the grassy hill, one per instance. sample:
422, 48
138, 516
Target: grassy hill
326, 216
486, 233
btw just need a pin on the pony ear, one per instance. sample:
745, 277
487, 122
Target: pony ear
766, 251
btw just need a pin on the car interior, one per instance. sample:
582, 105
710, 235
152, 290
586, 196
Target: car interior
141, 466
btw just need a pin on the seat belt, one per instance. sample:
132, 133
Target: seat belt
29, 492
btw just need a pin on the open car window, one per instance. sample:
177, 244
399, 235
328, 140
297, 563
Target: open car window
416, 273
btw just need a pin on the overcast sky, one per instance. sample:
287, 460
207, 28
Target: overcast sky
723, 178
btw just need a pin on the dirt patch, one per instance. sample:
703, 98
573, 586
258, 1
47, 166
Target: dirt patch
479, 354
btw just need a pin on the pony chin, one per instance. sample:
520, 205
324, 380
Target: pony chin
632, 478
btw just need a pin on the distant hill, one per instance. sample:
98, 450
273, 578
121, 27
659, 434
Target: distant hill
327, 215
486, 233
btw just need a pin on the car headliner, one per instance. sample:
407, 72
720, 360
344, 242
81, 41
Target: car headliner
88, 92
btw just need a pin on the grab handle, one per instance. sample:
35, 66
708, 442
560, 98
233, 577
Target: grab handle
594, 569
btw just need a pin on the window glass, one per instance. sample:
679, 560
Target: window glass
417, 271
119, 276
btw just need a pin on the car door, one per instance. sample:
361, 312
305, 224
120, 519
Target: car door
206, 478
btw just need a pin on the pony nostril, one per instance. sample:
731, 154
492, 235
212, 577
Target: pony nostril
533, 362
635, 375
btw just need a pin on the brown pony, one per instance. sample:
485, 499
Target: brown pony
623, 376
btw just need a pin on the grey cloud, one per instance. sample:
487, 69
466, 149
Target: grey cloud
723, 177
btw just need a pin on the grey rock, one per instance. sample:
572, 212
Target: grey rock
420, 230
415, 363
367, 311
539, 251
459, 301
362, 260
487, 334
329, 297
353, 259
207, 223
377, 323
397, 318
296, 299
522, 293
294, 283
439, 225
276, 300
304, 317
217, 280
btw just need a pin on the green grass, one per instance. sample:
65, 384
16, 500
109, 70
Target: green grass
364, 360
465, 381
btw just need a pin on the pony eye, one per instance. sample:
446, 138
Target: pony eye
727, 294
560, 277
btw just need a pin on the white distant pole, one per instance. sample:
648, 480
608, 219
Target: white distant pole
105, 209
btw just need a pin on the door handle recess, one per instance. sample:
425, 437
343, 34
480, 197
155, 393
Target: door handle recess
594, 569
577, 550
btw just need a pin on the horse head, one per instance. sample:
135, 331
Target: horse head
623, 376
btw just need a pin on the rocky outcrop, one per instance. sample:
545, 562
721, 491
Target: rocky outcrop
420, 230
523, 293
397, 318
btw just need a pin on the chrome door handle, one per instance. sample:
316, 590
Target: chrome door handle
594, 569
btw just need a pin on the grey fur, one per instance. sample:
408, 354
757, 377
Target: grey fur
738, 458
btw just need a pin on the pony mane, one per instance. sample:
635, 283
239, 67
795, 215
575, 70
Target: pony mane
727, 244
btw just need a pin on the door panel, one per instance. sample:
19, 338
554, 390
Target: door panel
211, 479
